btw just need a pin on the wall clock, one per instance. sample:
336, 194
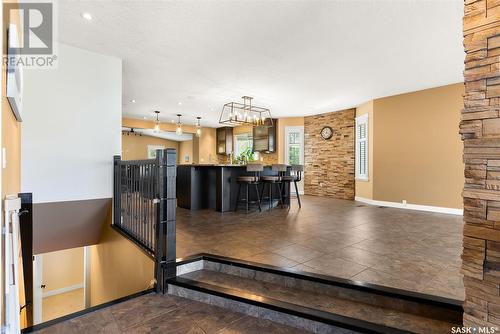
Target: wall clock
326, 133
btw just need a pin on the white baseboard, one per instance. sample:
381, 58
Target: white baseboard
62, 290
438, 209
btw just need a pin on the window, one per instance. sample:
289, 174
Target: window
362, 147
294, 148
242, 142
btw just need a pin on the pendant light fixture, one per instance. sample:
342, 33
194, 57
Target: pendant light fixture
157, 122
234, 113
178, 131
198, 126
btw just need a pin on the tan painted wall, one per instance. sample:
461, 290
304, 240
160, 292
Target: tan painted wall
282, 123
118, 268
136, 147
206, 146
11, 175
62, 269
11, 137
365, 188
185, 149
417, 152
201, 150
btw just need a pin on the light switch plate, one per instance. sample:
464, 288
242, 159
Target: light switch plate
4, 157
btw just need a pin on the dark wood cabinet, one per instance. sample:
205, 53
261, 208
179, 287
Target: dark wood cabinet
264, 137
225, 140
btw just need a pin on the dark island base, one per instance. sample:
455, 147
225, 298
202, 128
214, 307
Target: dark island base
215, 187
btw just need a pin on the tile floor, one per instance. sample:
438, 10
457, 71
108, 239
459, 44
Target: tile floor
166, 314
411, 250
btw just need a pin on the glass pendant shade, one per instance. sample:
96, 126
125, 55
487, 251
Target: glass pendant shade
198, 127
157, 122
178, 131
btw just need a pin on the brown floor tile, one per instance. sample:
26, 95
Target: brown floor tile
335, 266
250, 325
298, 253
327, 235
138, 310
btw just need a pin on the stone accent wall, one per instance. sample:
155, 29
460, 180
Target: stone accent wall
329, 164
480, 129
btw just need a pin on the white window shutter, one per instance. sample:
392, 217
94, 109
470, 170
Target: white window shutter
361, 158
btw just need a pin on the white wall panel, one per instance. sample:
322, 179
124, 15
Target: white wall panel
71, 127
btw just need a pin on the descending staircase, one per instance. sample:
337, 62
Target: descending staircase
311, 302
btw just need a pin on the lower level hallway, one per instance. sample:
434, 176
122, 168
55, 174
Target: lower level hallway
405, 249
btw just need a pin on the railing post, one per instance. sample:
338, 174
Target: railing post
165, 256
171, 200
117, 191
26, 235
160, 220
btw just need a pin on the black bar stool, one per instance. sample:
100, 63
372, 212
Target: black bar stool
249, 181
274, 180
295, 176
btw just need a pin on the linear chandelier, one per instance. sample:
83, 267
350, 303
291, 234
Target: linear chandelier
235, 113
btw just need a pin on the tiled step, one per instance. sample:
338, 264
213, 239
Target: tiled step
312, 303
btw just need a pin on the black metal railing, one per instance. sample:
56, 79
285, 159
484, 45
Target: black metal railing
144, 205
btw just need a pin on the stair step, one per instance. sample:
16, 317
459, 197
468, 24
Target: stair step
339, 307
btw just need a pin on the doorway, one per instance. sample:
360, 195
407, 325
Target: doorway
294, 150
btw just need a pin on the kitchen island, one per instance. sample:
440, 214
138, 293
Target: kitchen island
202, 186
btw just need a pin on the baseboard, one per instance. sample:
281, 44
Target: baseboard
428, 208
62, 290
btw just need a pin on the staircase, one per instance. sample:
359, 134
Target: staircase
311, 302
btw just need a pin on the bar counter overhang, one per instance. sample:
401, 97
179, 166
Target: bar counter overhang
203, 186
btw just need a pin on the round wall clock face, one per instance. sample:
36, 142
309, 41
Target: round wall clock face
327, 132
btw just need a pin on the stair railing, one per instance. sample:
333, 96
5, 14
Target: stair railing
144, 205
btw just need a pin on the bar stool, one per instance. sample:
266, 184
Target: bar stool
295, 176
254, 181
271, 181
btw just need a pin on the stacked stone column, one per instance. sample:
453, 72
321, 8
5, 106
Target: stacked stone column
480, 130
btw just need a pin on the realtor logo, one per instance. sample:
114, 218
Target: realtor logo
30, 35
35, 24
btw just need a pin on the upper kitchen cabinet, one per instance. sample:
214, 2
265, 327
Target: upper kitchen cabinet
225, 140
264, 137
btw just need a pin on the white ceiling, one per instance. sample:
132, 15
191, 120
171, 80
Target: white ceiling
295, 57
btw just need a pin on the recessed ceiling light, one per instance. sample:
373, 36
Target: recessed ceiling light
133, 101
179, 103
87, 16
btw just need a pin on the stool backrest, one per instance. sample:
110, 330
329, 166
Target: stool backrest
251, 167
297, 170
256, 168
280, 168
